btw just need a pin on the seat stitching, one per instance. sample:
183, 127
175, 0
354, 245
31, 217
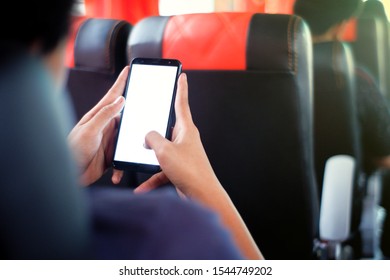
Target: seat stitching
289, 42
297, 20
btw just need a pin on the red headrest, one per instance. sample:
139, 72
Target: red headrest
222, 47
350, 33
129, 10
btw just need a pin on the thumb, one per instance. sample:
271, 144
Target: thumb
154, 141
107, 113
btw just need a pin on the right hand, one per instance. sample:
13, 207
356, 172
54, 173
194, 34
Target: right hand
183, 161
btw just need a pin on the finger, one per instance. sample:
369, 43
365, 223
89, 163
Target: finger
181, 194
117, 176
152, 183
182, 108
106, 114
156, 142
116, 90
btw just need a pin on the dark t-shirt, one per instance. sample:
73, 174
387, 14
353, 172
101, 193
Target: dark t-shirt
374, 119
157, 225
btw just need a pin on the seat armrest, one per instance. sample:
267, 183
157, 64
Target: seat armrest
336, 201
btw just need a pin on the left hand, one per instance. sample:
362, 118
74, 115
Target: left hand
92, 139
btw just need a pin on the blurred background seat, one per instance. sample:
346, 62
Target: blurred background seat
372, 45
336, 130
372, 51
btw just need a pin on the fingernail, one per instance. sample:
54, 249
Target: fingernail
146, 146
119, 100
184, 76
137, 191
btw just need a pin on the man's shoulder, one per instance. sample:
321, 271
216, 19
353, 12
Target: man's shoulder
363, 75
157, 225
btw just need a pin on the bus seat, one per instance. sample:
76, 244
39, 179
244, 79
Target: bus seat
371, 49
42, 212
250, 92
335, 116
99, 55
376, 9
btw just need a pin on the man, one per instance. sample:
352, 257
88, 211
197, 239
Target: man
43, 214
327, 20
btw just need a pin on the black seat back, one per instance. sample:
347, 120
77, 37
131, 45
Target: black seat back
255, 122
336, 119
335, 112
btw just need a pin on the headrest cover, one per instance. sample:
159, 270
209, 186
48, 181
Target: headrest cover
101, 45
208, 41
223, 41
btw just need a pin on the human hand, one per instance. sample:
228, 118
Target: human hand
183, 161
92, 139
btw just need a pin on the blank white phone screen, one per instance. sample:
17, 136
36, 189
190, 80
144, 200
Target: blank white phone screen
148, 102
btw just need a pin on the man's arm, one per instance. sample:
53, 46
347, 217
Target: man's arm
184, 162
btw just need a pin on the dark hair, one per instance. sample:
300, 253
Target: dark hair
43, 21
323, 14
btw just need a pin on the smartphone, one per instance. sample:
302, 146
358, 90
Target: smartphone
150, 97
